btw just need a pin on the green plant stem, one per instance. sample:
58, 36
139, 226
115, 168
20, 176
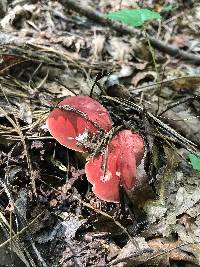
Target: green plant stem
152, 54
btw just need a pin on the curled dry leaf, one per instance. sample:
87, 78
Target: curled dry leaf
150, 75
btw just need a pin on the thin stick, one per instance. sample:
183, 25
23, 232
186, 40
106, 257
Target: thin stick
20, 232
152, 85
16, 125
184, 141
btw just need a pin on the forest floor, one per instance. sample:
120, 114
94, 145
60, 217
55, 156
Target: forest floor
49, 215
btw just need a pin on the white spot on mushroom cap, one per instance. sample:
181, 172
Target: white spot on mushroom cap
82, 137
118, 173
106, 177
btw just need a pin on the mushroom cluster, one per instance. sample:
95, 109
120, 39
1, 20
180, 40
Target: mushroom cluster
79, 119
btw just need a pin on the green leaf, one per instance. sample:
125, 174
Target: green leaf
133, 17
195, 160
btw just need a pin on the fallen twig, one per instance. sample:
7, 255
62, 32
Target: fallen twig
99, 18
153, 85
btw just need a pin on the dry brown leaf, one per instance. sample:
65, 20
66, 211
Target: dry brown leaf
161, 244
181, 40
17, 16
119, 50
98, 43
143, 75
187, 83
141, 65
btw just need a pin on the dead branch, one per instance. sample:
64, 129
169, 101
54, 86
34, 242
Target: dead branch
99, 18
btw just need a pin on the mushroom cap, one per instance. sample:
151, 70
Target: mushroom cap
137, 146
67, 127
125, 152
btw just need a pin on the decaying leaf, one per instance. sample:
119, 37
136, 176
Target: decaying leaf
149, 75
119, 50
188, 83
98, 44
65, 229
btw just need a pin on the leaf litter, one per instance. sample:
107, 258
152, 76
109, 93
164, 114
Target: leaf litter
49, 53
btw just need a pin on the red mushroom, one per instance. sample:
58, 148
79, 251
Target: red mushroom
76, 120
125, 152
71, 128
